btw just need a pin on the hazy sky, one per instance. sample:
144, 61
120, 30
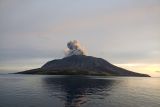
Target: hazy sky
124, 32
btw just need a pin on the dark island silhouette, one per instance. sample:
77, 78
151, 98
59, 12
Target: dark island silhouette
82, 65
76, 62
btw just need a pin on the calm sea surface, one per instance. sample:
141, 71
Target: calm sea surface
78, 91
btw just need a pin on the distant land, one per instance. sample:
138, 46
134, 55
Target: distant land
82, 65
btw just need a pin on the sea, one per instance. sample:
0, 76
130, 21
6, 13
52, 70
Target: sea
18, 90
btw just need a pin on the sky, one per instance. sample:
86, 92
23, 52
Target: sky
124, 32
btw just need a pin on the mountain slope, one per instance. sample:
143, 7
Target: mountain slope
81, 65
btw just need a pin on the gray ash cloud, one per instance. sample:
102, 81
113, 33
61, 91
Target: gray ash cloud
74, 48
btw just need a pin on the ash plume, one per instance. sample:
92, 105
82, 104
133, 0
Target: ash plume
74, 48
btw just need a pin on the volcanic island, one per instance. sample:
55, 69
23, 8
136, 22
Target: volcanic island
76, 62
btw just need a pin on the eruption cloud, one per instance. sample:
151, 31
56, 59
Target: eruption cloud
74, 48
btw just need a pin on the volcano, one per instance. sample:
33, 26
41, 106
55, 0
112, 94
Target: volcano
82, 65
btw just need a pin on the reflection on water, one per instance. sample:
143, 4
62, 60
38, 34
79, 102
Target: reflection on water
78, 91
76, 88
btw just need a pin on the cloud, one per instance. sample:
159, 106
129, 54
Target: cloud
108, 21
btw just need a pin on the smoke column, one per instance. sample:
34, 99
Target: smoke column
74, 48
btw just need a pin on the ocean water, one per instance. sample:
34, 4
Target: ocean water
78, 91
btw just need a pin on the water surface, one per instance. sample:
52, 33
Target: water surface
78, 91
